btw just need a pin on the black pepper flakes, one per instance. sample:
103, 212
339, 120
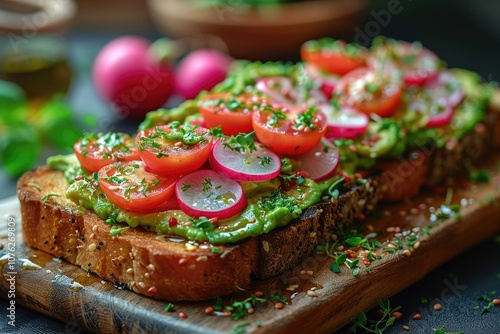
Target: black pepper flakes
45, 242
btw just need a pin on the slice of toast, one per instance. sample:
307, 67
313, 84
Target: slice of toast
169, 268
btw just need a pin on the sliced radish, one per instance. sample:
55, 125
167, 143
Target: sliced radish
321, 162
279, 89
259, 165
446, 87
440, 115
418, 65
209, 194
347, 123
326, 81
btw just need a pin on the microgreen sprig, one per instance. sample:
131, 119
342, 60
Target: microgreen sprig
375, 326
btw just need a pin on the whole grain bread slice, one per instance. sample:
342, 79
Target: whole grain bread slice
170, 268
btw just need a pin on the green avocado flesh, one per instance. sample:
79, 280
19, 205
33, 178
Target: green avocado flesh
267, 209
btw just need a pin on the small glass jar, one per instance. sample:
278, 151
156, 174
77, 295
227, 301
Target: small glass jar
32, 45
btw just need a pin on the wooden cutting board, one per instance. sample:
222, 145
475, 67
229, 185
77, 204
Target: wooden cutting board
66, 292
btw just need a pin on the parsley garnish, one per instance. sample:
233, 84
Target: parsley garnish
265, 160
206, 185
441, 330
275, 117
239, 309
375, 326
185, 187
278, 200
305, 119
202, 222
243, 143
169, 307
48, 196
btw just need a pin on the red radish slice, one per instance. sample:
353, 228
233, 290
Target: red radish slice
209, 194
446, 86
419, 65
279, 89
440, 115
347, 123
321, 162
326, 81
259, 165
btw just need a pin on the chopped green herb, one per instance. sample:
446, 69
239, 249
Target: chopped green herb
480, 176
378, 325
240, 328
243, 143
169, 307
306, 119
265, 160
206, 184
441, 330
34, 185
48, 196
185, 187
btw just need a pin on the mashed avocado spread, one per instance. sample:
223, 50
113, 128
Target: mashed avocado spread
267, 209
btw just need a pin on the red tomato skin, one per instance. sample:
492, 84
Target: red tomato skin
384, 106
93, 163
156, 197
127, 75
287, 141
332, 62
175, 164
231, 122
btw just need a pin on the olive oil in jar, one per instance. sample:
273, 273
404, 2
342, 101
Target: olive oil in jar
37, 64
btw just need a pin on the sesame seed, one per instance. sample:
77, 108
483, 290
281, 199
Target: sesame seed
312, 235
92, 247
310, 272
397, 315
293, 229
202, 258
437, 307
130, 271
209, 310
417, 316
302, 272
141, 285
92, 236
311, 293
151, 267
416, 245
192, 266
496, 301
94, 228
406, 252
190, 247
265, 245
389, 229
391, 246
406, 328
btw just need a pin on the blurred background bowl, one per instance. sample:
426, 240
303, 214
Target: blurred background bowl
266, 32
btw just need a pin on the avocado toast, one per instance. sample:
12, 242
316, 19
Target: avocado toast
179, 256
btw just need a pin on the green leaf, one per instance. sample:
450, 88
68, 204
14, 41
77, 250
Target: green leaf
355, 241
341, 259
335, 267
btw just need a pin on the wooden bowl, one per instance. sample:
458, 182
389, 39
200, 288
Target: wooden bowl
273, 32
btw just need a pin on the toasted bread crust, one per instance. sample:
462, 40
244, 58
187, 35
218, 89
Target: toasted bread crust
165, 268
160, 268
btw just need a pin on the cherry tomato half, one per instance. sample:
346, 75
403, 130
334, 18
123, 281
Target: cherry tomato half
334, 56
289, 132
232, 113
96, 150
174, 148
129, 186
369, 91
